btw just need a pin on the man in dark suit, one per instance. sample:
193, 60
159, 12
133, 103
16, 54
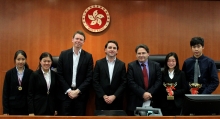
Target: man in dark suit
109, 79
74, 69
143, 83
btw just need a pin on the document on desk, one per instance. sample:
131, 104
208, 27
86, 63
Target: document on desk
146, 103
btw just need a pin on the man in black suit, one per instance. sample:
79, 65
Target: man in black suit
109, 79
74, 69
142, 84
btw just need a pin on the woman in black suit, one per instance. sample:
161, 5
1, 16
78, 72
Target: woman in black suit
172, 104
15, 86
42, 88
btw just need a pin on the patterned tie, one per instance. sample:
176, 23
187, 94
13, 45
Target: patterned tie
196, 71
144, 71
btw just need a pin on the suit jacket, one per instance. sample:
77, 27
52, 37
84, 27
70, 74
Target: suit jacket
83, 76
136, 83
101, 80
179, 91
12, 97
38, 99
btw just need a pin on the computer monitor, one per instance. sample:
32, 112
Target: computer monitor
147, 111
201, 104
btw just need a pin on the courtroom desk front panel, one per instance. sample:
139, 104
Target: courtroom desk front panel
87, 117
198, 117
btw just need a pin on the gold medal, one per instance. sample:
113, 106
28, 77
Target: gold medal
48, 92
19, 88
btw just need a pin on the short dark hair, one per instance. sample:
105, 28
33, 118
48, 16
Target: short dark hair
112, 41
176, 68
142, 46
22, 53
81, 33
196, 41
43, 55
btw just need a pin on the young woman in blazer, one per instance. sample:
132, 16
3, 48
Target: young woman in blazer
15, 86
172, 104
42, 88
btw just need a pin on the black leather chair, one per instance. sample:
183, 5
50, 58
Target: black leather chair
160, 58
217, 63
55, 62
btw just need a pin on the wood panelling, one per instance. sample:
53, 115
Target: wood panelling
48, 25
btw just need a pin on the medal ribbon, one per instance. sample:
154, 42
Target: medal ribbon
19, 81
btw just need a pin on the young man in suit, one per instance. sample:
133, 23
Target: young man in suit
109, 79
144, 80
74, 69
208, 75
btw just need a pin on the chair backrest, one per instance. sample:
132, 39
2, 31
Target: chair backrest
159, 58
55, 62
217, 63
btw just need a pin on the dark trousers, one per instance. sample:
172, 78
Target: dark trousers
18, 111
115, 105
170, 109
73, 107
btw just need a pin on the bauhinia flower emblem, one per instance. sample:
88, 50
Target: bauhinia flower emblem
96, 18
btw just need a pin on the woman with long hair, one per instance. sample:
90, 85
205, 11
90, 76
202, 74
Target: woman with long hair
15, 86
174, 86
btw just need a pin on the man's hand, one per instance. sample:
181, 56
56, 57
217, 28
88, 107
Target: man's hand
109, 99
147, 96
73, 93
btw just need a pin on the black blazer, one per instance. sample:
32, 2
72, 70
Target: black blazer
136, 83
179, 91
38, 99
83, 76
12, 97
101, 79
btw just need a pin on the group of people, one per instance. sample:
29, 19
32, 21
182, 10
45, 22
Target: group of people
66, 92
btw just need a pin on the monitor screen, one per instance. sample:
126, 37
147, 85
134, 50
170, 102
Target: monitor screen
147, 111
202, 104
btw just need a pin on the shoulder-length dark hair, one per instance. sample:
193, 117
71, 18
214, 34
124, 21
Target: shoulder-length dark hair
43, 55
176, 68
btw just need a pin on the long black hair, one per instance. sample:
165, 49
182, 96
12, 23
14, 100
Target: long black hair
22, 53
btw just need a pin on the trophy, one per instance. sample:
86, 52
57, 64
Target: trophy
195, 87
170, 87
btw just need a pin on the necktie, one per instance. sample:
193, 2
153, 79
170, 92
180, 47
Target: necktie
196, 71
144, 71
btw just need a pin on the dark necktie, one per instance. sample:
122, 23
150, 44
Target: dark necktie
196, 71
144, 71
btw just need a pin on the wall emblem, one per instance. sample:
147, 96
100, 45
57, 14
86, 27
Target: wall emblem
96, 18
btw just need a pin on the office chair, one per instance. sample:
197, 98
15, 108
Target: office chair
55, 62
159, 58
217, 63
